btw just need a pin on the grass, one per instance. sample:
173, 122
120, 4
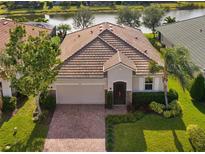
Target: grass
107, 9
30, 135
155, 133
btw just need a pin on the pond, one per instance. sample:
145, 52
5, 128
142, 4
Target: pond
111, 17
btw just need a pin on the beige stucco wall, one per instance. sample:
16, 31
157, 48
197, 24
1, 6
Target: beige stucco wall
119, 73
6, 89
139, 83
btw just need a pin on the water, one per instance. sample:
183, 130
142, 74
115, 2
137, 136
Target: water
111, 17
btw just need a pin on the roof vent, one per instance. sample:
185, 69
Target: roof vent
111, 29
201, 30
100, 26
145, 51
78, 35
136, 37
91, 32
110, 26
6, 22
101, 29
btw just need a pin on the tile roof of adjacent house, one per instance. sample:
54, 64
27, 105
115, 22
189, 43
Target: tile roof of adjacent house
6, 25
190, 34
85, 52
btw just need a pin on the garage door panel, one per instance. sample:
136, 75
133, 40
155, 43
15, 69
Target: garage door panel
80, 94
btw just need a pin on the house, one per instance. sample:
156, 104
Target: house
5, 26
105, 57
188, 33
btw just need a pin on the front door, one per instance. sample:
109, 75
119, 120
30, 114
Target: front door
119, 93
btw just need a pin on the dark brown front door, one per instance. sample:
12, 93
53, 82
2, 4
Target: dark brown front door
119, 92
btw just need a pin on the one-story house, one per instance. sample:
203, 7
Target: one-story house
105, 57
188, 33
5, 26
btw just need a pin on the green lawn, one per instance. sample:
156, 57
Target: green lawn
30, 135
155, 133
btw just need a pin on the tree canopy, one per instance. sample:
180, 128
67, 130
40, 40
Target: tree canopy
31, 64
83, 18
177, 62
169, 20
62, 30
129, 17
152, 17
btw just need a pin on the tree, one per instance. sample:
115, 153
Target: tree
63, 28
152, 17
176, 62
30, 64
41, 20
169, 20
83, 18
198, 88
129, 17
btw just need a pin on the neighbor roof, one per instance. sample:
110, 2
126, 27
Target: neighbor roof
190, 34
86, 51
6, 25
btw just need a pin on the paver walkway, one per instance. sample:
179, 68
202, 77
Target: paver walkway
78, 128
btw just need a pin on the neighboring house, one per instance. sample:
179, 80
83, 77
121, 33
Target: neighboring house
5, 26
188, 33
105, 57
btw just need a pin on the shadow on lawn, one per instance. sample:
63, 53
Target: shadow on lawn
137, 142
200, 106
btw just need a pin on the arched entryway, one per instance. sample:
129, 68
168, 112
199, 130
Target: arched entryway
119, 93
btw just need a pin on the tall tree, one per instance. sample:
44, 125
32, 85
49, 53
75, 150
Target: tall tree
129, 17
169, 20
62, 30
152, 17
31, 64
83, 18
176, 62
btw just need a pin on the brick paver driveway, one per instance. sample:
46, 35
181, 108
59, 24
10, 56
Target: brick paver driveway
77, 128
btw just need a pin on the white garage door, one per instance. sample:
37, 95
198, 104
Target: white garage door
80, 94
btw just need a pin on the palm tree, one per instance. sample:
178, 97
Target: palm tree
169, 20
177, 62
63, 28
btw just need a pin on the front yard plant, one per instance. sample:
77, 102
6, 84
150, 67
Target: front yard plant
197, 137
9, 104
173, 110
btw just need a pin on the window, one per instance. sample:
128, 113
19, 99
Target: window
148, 83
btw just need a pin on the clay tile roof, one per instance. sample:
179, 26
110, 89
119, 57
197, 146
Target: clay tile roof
134, 37
118, 58
6, 25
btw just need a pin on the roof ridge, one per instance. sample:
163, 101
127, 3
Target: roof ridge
86, 28
131, 45
120, 60
180, 21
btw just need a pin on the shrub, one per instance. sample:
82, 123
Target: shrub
198, 88
108, 99
167, 114
9, 104
172, 95
197, 137
47, 101
156, 107
173, 110
145, 98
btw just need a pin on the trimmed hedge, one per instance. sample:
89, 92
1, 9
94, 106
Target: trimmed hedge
145, 98
9, 104
196, 137
112, 120
47, 101
108, 99
197, 90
